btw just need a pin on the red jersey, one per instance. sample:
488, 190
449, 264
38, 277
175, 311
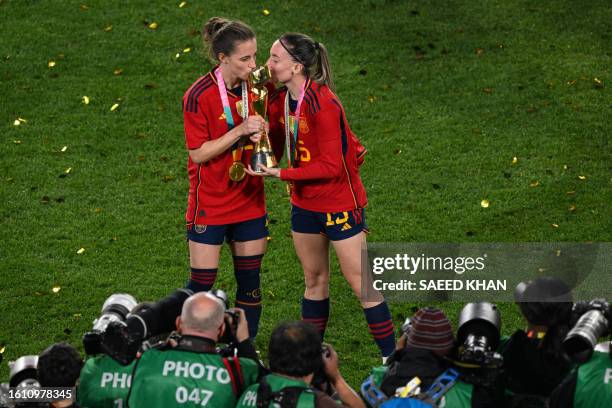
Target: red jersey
326, 171
214, 199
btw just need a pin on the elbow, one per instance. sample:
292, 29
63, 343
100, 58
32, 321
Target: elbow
197, 157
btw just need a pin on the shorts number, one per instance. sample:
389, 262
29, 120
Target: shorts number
196, 396
339, 220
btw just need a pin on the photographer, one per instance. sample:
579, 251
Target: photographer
105, 382
189, 372
427, 366
534, 361
296, 356
589, 385
59, 366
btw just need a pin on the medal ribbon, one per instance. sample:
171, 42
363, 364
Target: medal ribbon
296, 124
237, 147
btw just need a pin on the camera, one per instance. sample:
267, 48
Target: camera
122, 339
115, 309
230, 318
23, 374
592, 321
478, 334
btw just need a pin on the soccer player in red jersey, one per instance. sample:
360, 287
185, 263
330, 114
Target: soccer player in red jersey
327, 195
224, 203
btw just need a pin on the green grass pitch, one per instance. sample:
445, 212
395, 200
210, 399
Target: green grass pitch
443, 93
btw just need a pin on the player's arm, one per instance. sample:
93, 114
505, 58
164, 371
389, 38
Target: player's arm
329, 137
202, 148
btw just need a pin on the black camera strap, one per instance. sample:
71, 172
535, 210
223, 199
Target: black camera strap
285, 398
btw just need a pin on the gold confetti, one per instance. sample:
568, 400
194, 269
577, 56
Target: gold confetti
484, 203
77, 315
582, 177
118, 71
84, 7
572, 82
114, 107
534, 183
266, 12
572, 208
479, 51
269, 238
565, 167
17, 141
85, 100
514, 160
2, 350
68, 170
570, 193
372, 98
487, 90
186, 50
153, 26
108, 29
597, 83
64, 149
98, 210
183, 4
398, 151
80, 251
19, 121
56, 289
51, 64
555, 225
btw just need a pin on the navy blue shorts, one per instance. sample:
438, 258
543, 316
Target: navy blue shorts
249, 230
335, 226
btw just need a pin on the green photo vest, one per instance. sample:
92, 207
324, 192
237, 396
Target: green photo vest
180, 378
594, 382
277, 383
104, 383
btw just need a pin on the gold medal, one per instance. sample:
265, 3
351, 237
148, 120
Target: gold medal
236, 171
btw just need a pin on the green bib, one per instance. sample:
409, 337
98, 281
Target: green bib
460, 396
169, 378
277, 383
594, 382
104, 383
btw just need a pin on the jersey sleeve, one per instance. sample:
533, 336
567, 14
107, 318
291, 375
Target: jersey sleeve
196, 127
329, 138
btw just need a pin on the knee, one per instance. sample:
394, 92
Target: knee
316, 279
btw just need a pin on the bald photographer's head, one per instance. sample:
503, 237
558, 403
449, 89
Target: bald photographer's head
202, 315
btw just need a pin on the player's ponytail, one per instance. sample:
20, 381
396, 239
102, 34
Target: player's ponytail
221, 35
311, 54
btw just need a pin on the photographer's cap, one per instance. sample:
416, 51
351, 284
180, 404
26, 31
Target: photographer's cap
431, 330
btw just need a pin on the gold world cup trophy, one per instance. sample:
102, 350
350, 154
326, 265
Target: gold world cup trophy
262, 153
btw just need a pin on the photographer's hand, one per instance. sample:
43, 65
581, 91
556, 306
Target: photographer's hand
242, 329
401, 343
347, 395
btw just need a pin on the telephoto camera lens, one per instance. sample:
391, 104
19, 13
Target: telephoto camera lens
115, 309
23, 372
583, 337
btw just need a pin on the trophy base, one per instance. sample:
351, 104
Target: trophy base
265, 158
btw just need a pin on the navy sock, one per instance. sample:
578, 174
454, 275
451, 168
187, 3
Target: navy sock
381, 327
248, 293
202, 280
316, 312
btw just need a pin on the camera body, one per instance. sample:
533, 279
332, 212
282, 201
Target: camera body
231, 318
